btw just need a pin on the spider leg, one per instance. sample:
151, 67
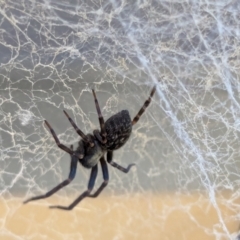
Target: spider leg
73, 169
109, 160
80, 133
97, 134
60, 145
84, 194
100, 117
143, 108
105, 178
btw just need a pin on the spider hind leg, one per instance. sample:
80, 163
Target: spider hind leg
119, 167
100, 118
143, 108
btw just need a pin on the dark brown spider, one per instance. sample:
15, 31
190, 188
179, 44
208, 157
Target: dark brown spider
92, 147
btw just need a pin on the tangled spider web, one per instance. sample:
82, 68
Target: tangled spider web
186, 145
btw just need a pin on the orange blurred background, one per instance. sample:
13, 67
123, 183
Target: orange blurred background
167, 216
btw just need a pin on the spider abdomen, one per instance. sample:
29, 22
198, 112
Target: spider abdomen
118, 128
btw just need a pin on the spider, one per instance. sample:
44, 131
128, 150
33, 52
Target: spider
91, 149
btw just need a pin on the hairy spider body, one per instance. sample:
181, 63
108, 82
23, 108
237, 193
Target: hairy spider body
119, 129
91, 155
91, 149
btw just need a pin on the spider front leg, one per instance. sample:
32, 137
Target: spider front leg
73, 169
80, 133
119, 167
60, 145
105, 178
84, 194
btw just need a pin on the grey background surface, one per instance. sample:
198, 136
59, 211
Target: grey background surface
53, 53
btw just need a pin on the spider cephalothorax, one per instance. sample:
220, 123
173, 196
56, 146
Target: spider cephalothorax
91, 149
